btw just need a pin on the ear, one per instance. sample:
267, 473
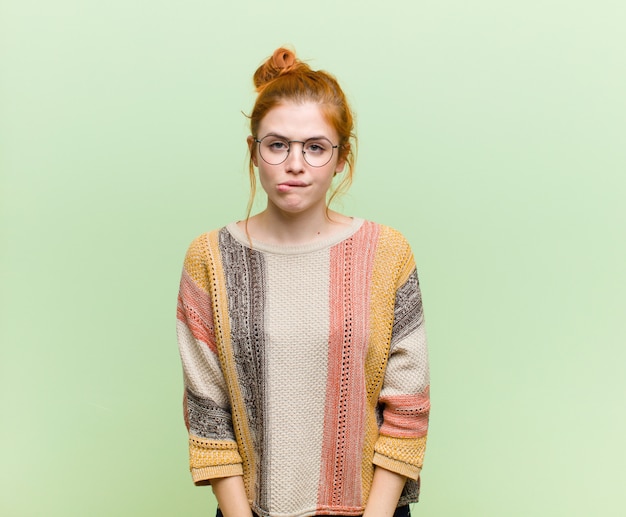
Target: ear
343, 155
340, 166
251, 147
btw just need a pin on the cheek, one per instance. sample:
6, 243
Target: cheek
265, 177
330, 176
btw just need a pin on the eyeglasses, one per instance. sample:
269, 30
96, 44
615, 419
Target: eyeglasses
274, 150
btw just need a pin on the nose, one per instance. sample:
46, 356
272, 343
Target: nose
295, 159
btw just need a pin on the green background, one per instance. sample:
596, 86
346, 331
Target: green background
491, 133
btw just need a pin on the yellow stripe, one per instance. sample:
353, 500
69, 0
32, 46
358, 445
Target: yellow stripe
225, 351
407, 265
195, 261
407, 451
387, 262
203, 451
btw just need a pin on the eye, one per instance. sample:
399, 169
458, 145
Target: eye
277, 146
316, 147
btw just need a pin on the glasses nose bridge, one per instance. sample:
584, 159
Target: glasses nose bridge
295, 142
289, 142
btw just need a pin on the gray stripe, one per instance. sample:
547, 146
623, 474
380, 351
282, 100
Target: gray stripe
244, 270
207, 419
408, 312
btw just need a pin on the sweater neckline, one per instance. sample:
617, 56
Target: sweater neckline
240, 236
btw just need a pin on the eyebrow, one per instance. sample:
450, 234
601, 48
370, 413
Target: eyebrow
278, 135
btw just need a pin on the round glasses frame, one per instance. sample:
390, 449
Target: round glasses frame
289, 142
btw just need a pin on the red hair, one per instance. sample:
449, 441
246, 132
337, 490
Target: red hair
283, 77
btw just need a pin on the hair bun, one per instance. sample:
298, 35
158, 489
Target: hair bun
283, 58
281, 62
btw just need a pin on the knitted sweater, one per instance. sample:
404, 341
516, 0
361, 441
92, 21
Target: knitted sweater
304, 367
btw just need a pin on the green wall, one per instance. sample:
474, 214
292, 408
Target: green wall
492, 134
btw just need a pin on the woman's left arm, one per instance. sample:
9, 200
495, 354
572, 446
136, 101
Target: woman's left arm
405, 394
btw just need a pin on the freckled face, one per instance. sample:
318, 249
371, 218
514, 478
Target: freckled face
294, 186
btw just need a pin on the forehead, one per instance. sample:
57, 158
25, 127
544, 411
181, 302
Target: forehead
297, 121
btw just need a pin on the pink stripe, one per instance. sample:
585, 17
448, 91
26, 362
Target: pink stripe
351, 265
406, 416
194, 309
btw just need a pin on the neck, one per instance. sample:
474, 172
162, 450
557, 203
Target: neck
277, 227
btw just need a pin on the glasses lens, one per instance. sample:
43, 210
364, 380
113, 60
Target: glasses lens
317, 152
274, 150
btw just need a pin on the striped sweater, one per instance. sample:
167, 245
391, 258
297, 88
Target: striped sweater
304, 367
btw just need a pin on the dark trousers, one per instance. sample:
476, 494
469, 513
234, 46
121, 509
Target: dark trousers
402, 511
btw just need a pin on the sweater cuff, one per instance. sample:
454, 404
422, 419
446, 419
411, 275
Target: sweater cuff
399, 467
218, 471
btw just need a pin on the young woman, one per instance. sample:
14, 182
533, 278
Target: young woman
301, 330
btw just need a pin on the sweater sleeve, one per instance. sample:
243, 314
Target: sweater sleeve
212, 447
404, 398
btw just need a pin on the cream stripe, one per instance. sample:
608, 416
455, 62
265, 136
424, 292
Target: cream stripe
297, 298
201, 367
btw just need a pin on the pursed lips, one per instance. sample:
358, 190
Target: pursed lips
286, 185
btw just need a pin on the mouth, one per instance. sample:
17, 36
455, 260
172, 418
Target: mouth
288, 185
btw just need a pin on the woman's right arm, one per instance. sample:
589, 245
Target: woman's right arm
213, 449
231, 496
